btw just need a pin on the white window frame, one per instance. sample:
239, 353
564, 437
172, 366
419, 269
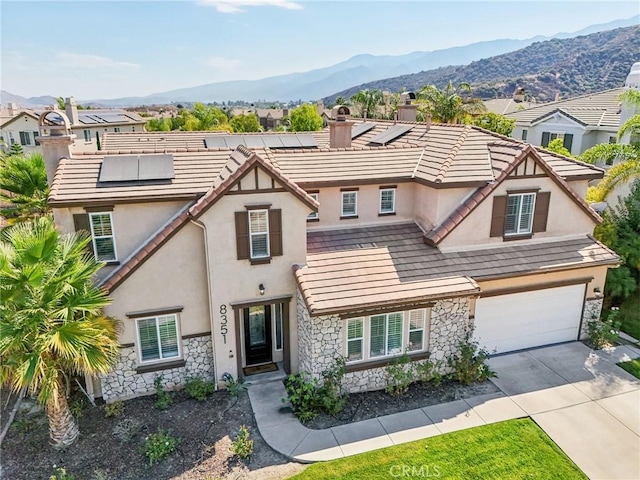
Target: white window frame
423, 312
25, 138
314, 215
355, 204
161, 359
87, 135
361, 339
252, 234
520, 231
94, 236
277, 307
386, 336
524, 135
393, 201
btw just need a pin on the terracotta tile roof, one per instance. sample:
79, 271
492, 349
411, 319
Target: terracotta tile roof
352, 269
505, 157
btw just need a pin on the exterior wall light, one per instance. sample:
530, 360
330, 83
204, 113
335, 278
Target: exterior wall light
597, 292
261, 289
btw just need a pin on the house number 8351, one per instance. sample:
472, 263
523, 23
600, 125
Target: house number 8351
223, 323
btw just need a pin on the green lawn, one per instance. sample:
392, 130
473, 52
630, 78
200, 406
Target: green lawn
629, 315
515, 449
632, 366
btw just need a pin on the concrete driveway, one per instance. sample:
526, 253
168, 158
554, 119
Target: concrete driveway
587, 404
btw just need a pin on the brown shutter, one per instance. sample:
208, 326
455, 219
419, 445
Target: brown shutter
541, 212
81, 223
498, 215
275, 232
242, 235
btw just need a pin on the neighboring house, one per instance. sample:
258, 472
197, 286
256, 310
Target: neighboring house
87, 125
581, 122
364, 240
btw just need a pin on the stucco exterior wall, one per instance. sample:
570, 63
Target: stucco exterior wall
565, 217
21, 123
82, 146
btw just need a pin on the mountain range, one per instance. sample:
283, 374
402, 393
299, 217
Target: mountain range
324, 82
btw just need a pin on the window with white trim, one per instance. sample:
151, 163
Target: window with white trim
25, 138
87, 135
416, 330
259, 233
385, 335
349, 204
158, 338
313, 215
355, 339
388, 200
103, 238
519, 217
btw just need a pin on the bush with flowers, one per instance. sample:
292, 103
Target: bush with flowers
603, 333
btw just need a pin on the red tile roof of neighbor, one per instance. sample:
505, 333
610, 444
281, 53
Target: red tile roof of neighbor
354, 269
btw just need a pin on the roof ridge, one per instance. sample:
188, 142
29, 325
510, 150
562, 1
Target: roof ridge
452, 154
547, 104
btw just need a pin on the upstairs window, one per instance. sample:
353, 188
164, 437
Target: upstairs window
387, 201
259, 233
519, 218
567, 139
102, 235
349, 204
25, 138
314, 215
524, 134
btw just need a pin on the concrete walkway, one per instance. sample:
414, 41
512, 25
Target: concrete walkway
588, 405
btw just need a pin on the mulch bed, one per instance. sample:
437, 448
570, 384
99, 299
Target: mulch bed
363, 406
205, 430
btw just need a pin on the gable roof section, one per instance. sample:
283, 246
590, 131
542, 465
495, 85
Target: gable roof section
239, 164
505, 158
20, 115
559, 111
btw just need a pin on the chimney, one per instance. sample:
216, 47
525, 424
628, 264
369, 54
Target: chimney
407, 111
518, 95
320, 107
55, 139
71, 109
557, 97
285, 112
13, 109
340, 127
428, 122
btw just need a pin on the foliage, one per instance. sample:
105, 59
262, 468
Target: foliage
126, 428
60, 473
428, 371
114, 409
245, 123
451, 104
51, 317
159, 445
631, 366
557, 146
159, 125
305, 118
604, 332
303, 395
629, 316
399, 375
201, 117
163, 398
235, 387
60, 102
242, 446
77, 407
495, 122
617, 175
23, 184
610, 153
367, 102
16, 149
468, 363
198, 388
23, 424
330, 395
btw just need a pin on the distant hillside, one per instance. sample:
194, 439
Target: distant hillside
570, 67
6, 98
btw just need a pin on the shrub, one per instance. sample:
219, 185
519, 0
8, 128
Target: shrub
428, 371
604, 332
235, 387
242, 446
330, 395
125, 429
303, 395
60, 473
399, 374
163, 398
199, 389
114, 409
23, 424
77, 407
468, 363
159, 445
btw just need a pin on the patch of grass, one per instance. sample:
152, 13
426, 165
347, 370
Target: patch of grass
632, 366
513, 449
629, 316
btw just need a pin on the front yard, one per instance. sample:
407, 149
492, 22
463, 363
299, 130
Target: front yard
632, 366
515, 449
629, 315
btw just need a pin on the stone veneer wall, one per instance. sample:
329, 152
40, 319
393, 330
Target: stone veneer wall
320, 341
592, 311
123, 382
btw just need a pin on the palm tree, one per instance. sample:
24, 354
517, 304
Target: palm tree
617, 175
23, 184
367, 102
51, 320
449, 105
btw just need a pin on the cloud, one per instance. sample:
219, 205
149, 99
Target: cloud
237, 6
222, 63
78, 60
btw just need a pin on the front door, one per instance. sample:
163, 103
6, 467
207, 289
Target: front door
257, 334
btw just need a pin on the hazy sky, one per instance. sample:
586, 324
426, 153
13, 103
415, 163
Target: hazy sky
110, 48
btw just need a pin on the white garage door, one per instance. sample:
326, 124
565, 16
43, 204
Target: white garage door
529, 319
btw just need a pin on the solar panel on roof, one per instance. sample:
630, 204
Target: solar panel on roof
272, 141
233, 141
390, 134
113, 117
307, 140
290, 141
257, 141
131, 168
215, 142
361, 128
253, 141
155, 167
87, 119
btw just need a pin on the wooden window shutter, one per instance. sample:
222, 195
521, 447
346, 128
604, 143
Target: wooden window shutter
541, 212
242, 235
275, 232
498, 215
545, 139
568, 141
81, 223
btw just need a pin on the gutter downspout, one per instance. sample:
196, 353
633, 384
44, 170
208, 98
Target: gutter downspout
206, 260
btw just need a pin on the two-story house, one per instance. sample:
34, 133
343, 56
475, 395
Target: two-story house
364, 240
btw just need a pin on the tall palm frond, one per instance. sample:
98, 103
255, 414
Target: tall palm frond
23, 185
